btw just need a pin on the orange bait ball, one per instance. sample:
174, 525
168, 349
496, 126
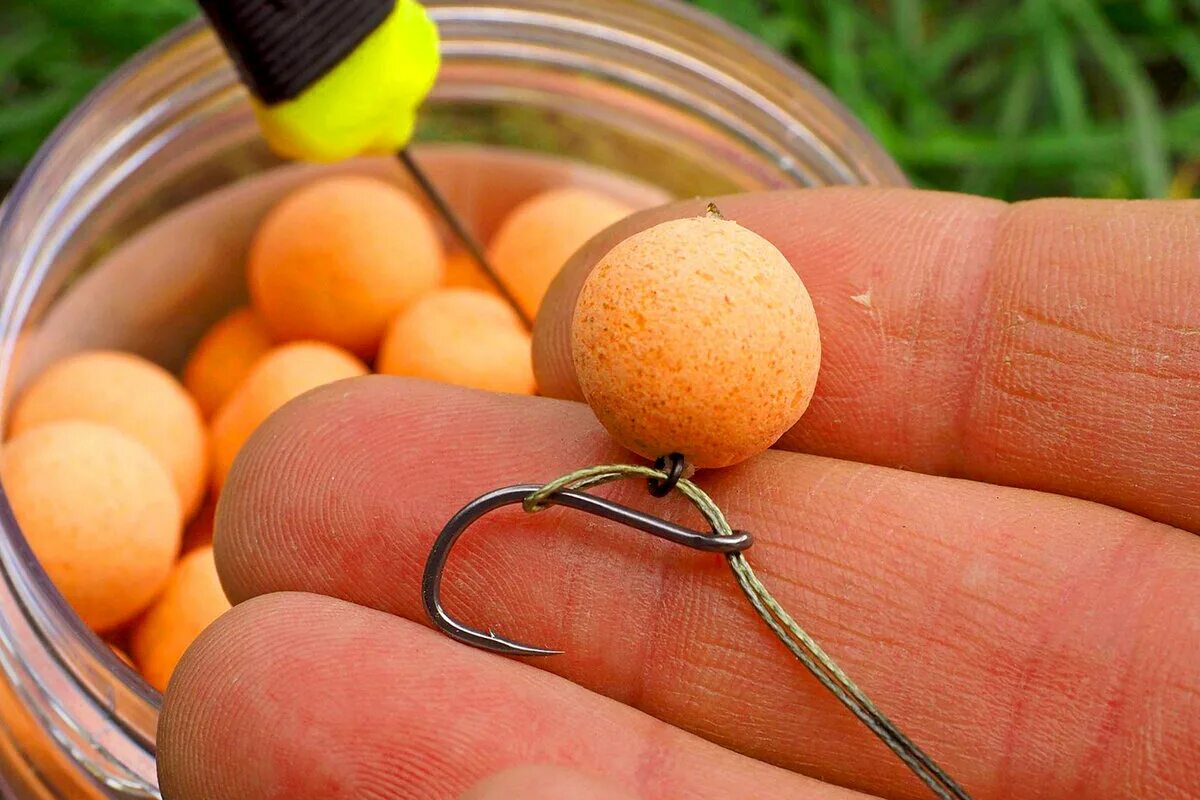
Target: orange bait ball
280, 376
100, 513
696, 337
337, 260
224, 357
138, 398
463, 272
463, 337
192, 600
538, 238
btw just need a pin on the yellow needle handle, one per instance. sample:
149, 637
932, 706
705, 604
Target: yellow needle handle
367, 104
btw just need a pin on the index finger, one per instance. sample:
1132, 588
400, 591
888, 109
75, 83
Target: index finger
1051, 345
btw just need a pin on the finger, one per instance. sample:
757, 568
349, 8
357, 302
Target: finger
1033, 644
545, 783
304, 697
1053, 345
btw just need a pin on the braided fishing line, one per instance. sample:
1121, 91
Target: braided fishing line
570, 490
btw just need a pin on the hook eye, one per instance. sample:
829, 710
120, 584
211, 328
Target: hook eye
439, 554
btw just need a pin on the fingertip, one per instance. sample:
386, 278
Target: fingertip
545, 783
247, 713
192, 723
282, 464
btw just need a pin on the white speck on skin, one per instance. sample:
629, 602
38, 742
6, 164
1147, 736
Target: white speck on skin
978, 575
863, 299
1015, 320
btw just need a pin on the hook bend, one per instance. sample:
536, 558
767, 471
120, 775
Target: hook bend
439, 554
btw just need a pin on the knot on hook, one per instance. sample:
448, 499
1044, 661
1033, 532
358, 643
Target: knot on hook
666, 475
673, 466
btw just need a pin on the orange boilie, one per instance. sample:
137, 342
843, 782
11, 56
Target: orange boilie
224, 357
463, 337
337, 260
282, 375
134, 396
192, 600
100, 513
540, 235
697, 337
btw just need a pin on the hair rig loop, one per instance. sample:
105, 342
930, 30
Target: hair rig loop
674, 466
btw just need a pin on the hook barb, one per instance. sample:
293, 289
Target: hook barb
439, 554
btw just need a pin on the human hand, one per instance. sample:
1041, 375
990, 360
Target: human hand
1038, 642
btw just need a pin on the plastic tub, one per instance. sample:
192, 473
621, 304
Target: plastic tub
106, 242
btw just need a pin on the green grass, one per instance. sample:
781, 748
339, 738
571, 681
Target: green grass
1009, 98
52, 52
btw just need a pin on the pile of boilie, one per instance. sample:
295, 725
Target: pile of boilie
113, 466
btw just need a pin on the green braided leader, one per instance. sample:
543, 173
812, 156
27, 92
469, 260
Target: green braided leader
781, 623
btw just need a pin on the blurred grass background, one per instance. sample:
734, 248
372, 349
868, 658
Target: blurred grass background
1009, 98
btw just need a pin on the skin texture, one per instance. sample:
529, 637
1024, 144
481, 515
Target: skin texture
544, 783
1037, 645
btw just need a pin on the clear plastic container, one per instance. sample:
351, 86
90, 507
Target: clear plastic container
106, 242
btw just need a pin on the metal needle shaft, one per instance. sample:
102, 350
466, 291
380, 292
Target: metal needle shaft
459, 229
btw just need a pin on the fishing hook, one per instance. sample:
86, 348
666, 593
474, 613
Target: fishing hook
435, 567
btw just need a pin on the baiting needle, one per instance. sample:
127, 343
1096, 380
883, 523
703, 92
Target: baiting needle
460, 230
330, 81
